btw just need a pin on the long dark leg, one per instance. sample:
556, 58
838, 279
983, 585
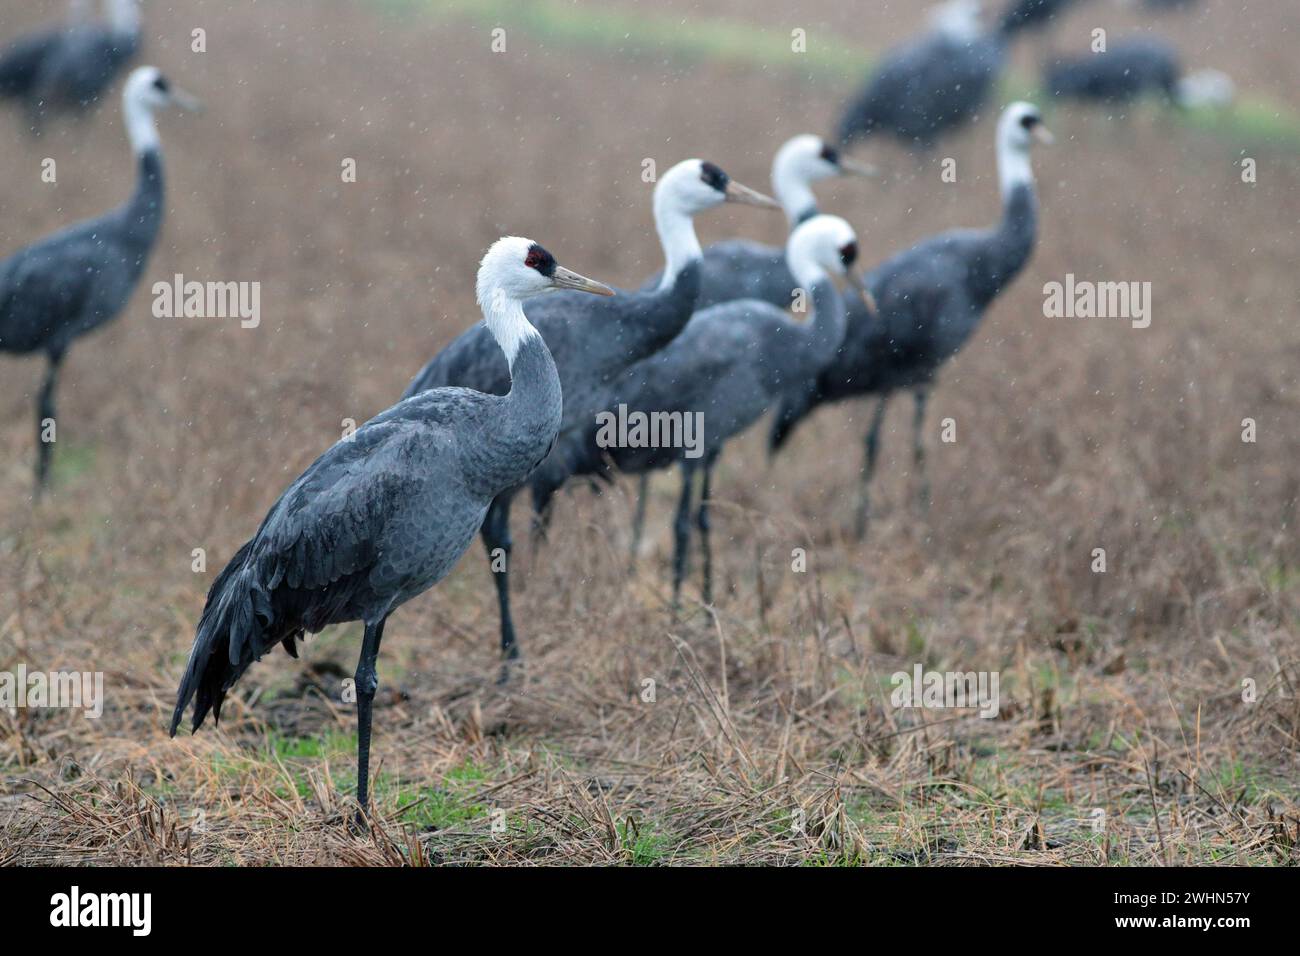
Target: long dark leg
367, 682
638, 516
872, 452
922, 397
702, 520
44, 413
682, 533
497, 541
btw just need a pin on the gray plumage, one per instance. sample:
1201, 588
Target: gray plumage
20, 63
926, 88
743, 269
592, 342
76, 280
376, 520
930, 299
730, 365
383, 515
1126, 70
70, 69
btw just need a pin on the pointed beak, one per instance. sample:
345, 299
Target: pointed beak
185, 100
868, 299
568, 279
750, 197
1043, 135
853, 167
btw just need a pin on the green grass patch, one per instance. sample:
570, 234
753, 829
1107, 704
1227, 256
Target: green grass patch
69, 462
440, 807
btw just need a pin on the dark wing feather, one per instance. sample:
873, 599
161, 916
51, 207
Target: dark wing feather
46, 288
21, 62
319, 555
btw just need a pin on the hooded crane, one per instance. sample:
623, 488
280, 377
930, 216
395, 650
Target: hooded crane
729, 366
385, 514
933, 84
69, 69
743, 269
21, 60
1130, 68
930, 299
592, 343
80, 278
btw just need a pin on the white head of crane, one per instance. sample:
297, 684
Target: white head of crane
514, 269
147, 91
802, 161
825, 246
1020, 126
691, 187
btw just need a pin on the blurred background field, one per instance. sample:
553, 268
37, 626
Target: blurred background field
1121, 692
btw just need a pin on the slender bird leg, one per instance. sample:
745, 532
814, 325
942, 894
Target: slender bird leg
702, 520
638, 517
44, 411
682, 534
869, 467
497, 541
367, 682
922, 396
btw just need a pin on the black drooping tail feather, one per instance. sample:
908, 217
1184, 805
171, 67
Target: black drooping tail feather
794, 405
232, 633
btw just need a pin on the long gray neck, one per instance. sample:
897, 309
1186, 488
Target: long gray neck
1009, 246
506, 450
143, 214
534, 402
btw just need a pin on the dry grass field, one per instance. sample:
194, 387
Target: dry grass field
1123, 737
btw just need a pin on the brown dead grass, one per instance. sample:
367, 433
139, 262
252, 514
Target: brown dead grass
1121, 692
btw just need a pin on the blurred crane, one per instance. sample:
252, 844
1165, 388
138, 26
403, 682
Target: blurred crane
933, 84
68, 69
1129, 69
76, 280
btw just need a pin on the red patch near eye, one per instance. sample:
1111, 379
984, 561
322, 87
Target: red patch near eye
534, 259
